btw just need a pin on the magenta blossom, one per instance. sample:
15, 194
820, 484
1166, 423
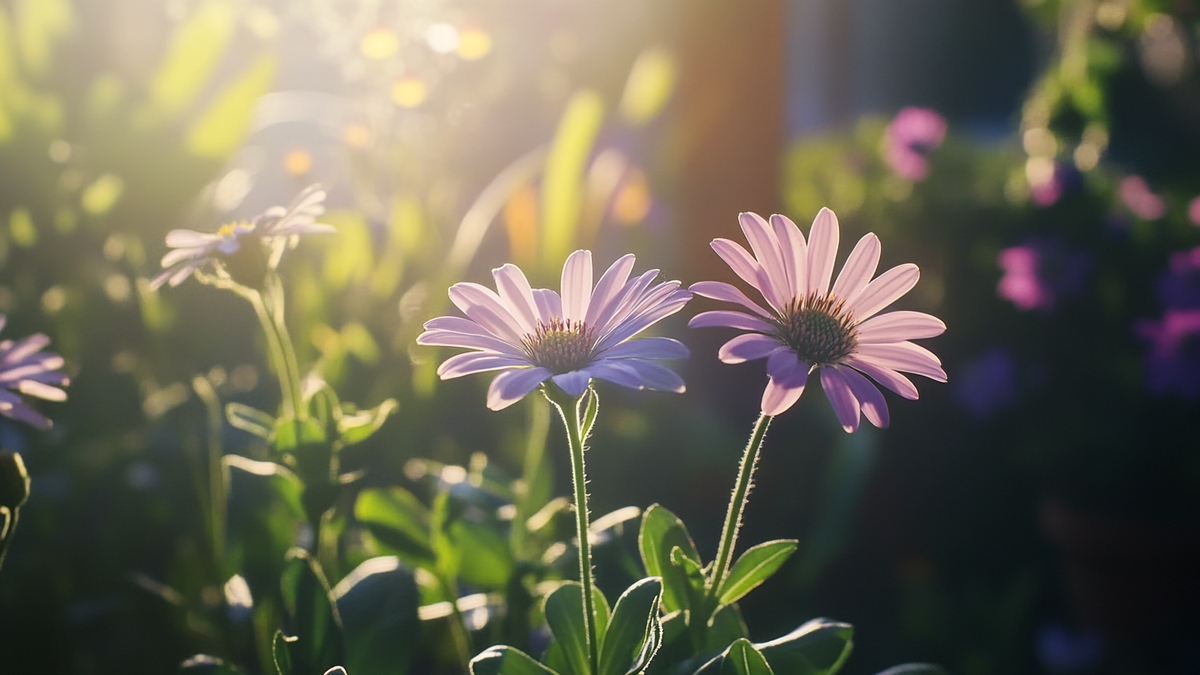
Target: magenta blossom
26, 369
1194, 211
807, 325
908, 140
1137, 197
534, 334
1179, 286
1039, 273
1173, 361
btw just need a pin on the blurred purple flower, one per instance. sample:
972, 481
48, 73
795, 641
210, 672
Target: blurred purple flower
1179, 286
1063, 652
1138, 198
1194, 211
192, 250
26, 369
1064, 179
533, 334
908, 140
1173, 361
987, 384
810, 327
1040, 273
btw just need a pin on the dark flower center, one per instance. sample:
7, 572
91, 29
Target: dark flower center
560, 346
819, 329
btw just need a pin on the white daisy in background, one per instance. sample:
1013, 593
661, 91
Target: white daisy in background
192, 250
807, 325
534, 334
26, 369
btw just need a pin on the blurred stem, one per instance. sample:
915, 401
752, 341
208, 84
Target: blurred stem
568, 408
7, 535
737, 503
535, 452
277, 306
458, 624
287, 387
216, 478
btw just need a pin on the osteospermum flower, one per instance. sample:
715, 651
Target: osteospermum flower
26, 369
193, 250
809, 326
534, 334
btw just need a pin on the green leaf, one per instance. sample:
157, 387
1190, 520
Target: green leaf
743, 659
602, 614
264, 512
725, 627
203, 664
562, 182
755, 566
398, 520
661, 533
485, 560
223, 126
564, 615
290, 434
915, 669
378, 603
633, 623
314, 618
554, 659
195, 49
502, 660
589, 412
819, 647
281, 654
250, 420
362, 425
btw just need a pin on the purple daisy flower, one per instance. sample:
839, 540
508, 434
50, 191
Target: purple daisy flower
908, 140
26, 369
193, 250
534, 334
809, 326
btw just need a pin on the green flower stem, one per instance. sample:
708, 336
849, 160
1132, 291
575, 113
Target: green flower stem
289, 350
568, 407
737, 503
7, 535
288, 387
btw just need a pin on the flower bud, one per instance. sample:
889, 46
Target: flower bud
14, 481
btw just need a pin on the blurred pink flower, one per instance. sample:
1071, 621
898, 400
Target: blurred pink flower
1039, 273
908, 140
26, 369
1194, 211
192, 250
1138, 198
810, 326
1173, 361
534, 334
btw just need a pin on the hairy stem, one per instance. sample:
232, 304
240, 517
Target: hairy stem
737, 503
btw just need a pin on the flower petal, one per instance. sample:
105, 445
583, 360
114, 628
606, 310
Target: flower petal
748, 347
517, 295
477, 362
899, 326
788, 377
576, 286
859, 268
766, 251
662, 302
845, 405
637, 374
822, 251
608, 289
449, 338
189, 238
724, 318
719, 290
905, 357
513, 385
26, 347
549, 305
795, 253
178, 255
648, 348
625, 303
885, 376
486, 308
747, 268
573, 383
42, 391
874, 406
884, 290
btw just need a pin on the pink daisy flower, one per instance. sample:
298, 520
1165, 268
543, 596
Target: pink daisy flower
534, 334
192, 250
26, 369
808, 325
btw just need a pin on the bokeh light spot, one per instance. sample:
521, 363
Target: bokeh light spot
379, 43
409, 92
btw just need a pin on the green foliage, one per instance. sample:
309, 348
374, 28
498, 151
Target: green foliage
313, 615
662, 532
743, 658
203, 664
634, 633
502, 660
755, 566
564, 615
377, 604
562, 184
